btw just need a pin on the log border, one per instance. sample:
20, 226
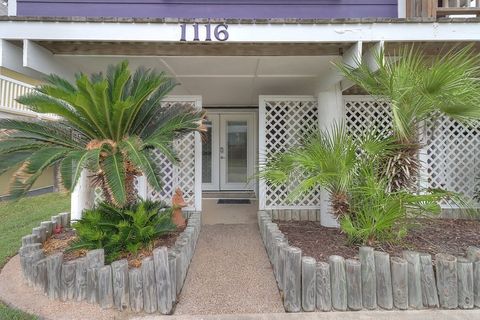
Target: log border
409, 282
109, 286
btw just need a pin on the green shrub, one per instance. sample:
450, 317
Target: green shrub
379, 216
119, 230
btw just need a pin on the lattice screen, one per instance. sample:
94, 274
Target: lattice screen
181, 176
286, 119
364, 112
450, 157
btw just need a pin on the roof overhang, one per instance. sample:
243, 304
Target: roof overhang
240, 31
260, 57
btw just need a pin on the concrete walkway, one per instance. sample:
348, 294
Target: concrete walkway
359, 315
230, 272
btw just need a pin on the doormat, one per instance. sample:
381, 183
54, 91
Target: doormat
233, 201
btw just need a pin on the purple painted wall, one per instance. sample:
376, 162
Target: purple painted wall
210, 8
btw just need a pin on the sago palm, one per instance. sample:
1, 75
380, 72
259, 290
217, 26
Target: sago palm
329, 159
419, 87
109, 124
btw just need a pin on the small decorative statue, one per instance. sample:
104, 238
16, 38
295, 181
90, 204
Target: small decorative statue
177, 204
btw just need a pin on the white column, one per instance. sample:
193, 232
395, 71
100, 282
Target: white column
81, 197
12, 7
330, 110
142, 187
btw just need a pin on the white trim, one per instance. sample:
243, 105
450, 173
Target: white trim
170, 32
12, 7
215, 178
198, 161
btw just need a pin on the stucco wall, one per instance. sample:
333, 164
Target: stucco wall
210, 8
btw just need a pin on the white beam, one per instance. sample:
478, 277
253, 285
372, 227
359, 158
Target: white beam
317, 33
40, 59
370, 57
351, 57
11, 58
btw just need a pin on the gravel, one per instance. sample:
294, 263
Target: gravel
229, 273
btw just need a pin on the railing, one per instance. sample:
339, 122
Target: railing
10, 90
442, 8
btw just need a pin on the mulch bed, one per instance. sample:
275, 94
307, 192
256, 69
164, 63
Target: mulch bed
61, 242
428, 235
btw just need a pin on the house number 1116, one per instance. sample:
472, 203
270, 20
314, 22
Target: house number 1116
220, 32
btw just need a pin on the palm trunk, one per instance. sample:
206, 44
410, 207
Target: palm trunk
131, 174
340, 205
402, 169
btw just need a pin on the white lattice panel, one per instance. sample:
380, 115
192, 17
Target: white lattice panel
286, 119
452, 155
182, 175
364, 112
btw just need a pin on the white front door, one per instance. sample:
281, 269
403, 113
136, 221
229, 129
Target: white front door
228, 152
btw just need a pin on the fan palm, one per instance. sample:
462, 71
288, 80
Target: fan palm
329, 159
109, 124
418, 88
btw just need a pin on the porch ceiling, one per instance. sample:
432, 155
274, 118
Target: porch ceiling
224, 81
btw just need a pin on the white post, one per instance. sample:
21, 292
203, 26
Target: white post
81, 197
12, 7
142, 187
330, 110
198, 161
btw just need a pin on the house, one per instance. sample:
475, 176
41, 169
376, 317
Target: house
261, 68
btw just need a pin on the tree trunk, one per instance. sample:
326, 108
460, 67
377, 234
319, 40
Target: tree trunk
403, 166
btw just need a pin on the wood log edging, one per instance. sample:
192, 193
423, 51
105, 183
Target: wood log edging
374, 282
109, 286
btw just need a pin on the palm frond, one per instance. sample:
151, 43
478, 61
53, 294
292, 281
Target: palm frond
114, 168
41, 130
135, 153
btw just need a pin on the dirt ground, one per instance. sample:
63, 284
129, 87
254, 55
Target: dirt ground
429, 235
62, 241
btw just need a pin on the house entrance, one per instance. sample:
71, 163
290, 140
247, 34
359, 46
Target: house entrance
228, 155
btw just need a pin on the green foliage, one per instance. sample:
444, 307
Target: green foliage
378, 215
109, 125
350, 169
119, 230
14, 314
329, 159
17, 218
419, 86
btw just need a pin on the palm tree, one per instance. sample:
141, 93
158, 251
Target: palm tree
330, 159
109, 124
418, 88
